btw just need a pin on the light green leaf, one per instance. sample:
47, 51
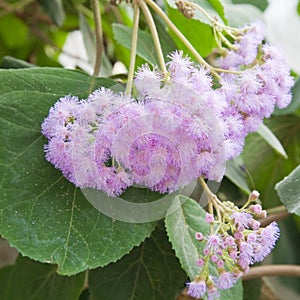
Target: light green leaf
265, 166
182, 225
199, 34
41, 214
150, 272
55, 10
289, 191
234, 174
271, 139
145, 46
214, 8
31, 280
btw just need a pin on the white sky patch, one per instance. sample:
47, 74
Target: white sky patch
283, 29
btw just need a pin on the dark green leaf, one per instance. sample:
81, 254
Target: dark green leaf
9, 62
271, 139
267, 167
150, 272
31, 280
252, 289
289, 191
182, 224
286, 251
145, 46
55, 10
235, 174
41, 213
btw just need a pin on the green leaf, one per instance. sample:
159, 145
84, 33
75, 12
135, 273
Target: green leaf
214, 8
294, 105
252, 289
235, 174
181, 225
271, 139
289, 191
41, 214
31, 280
150, 272
267, 167
199, 34
145, 46
9, 62
55, 10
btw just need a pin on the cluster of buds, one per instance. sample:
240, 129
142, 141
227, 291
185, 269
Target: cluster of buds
235, 242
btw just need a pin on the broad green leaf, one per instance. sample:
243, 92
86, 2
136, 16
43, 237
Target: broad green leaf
41, 214
214, 8
145, 46
252, 289
267, 167
199, 34
32, 280
9, 62
286, 251
219, 7
55, 10
289, 191
150, 271
235, 174
271, 139
181, 225
294, 105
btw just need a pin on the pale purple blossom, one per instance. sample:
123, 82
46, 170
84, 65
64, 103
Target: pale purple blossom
196, 289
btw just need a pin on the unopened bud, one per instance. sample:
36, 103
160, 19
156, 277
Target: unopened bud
253, 196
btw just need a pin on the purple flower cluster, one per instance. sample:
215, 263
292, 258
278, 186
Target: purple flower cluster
180, 127
235, 242
260, 82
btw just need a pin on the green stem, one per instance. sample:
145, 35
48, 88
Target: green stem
154, 34
184, 40
99, 34
136, 17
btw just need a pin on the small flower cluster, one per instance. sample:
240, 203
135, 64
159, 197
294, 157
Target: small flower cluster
236, 241
181, 126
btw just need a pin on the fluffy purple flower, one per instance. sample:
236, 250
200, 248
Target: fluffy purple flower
225, 281
196, 289
241, 220
213, 294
